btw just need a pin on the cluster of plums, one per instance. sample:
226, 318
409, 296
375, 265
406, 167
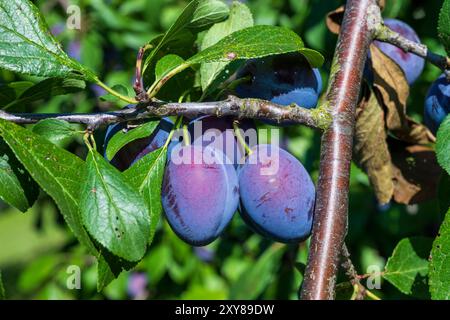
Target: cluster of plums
212, 176
437, 102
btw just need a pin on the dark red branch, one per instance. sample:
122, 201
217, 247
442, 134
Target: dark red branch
330, 225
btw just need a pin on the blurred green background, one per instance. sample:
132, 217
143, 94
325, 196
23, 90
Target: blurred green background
36, 248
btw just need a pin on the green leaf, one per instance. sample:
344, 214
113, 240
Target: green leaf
443, 144
444, 25
181, 23
167, 64
118, 88
208, 13
112, 211
47, 89
26, 45
256, 42
407, 268
55, 130
440, 263
2, 289
56, 170
17, 188
122, 138
252, 282
146, 176
240, 18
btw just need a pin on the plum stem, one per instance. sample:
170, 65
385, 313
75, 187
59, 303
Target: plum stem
186, 135
240, 138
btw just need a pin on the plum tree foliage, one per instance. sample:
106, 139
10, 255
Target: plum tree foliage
180, 156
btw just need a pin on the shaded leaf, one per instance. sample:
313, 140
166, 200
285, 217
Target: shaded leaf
109, 268
56, 170
370, 146
181, 23
392, 90
47, 89
122, 138
440, 263
146, 176
55, 130
443, 144
26, 45
407, 268
240, 18
113, 213
11, 91
17, 188
254, 279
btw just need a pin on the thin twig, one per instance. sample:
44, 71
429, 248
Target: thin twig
359, 290
385, 34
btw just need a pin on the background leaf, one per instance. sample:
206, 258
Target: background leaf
113, 213
444, 25
257, 276
26, 45
208, 13
443, 144
2, 289
56, 170
17, 188
440, 263
407, 268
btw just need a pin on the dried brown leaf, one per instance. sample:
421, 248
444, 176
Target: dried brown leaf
392, 90
334, 20
370, 147
416, 172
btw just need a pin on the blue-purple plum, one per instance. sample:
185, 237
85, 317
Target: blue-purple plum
411, 64
282, 79
200, 194
437, 103
219, 133
137, 149
277, 195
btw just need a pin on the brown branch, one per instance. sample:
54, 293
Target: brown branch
330, 222
385, 34
318, 118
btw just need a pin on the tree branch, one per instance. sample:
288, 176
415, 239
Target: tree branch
385, 34
318, 118
330, 221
